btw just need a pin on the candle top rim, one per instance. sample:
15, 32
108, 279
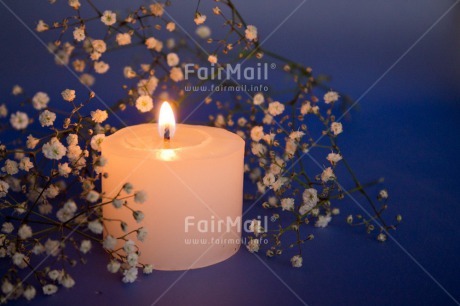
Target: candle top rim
191, 142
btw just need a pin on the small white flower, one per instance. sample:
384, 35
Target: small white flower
141, 234
54, 149
25, 164
4, 186
382, 237
7, 287
19, 120
95, 226
67, 281
109, 242
258, 149
138, 216
305, 108
128, 188
68, 95
41, 26
85, 246
176, 74
253, 245
144, 104
151, 43
327, 175
123, 39
256, 227
108, 18
7, 227
212, 59
96, 142
251, 33
18, 260
87, 79
296, 135
54, 274
257, 133
331, 96
117, 203
171, 26
79, 34
336, 128
29, 293
296, 261
130, 275
129, 247
11, 167
64, 169
50, 289
334, 158
199, 19
101, 67
147, 87
40, 100
172, 59
140, 197
17, 90
323, 221
99, 116
203, 31
148, 269
52, 247
128, 72
47, 118
113, 266
258, 99
3, 111
25, 231
157, 9
75, 4
92, 196
132, 259
291, 147
99, 45
275, 108
287, 203
269, 179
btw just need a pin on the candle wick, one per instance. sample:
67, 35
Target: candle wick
166, 134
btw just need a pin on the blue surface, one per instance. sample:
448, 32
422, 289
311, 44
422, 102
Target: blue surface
406, 130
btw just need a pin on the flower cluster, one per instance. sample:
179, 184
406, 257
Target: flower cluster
50, 196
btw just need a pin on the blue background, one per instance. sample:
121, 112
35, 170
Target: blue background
406, 130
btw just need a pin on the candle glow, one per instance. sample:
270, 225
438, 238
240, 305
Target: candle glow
166, 121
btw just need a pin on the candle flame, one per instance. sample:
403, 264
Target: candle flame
166, 121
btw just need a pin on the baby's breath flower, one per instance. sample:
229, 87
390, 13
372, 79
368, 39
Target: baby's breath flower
176, 74
334, 158
11, 167
258, 149
130, 275
47, 118
327, 175
67, 281
148, 269
117, 203
203, 31
253, 245
25, 231
109, 242
140, 197
291, 147
323, 221
129, 73
382, 237
141, 234
151, 43
25, 164
129, 247
172, 59
79, 34
275, 108
212, 58
40, 100
128, 188
3, 111
54, 274
108, 18
269, 179
251, 33
331, 96
99, 45
19, 120
54, 149
147, 87
19, 260
17, 90
336, 128
383, 194
199, 18
92, 196
99, 116
7, 227
52, 247
41, 26
101, 67
113, 266
287, 203
68, 95
87, 79
123, 39
50, 289
258, 99
64, 169
305, 108
75, 4
95, 226
171, 26
29, 293
157, 9
132, 259
144, 104
85, 246
7, 287
310, 199
296, 261
96, 142
257, 133
256, 227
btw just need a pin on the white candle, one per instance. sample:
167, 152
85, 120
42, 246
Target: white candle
194, 186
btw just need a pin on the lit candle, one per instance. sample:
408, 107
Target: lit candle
194, 187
